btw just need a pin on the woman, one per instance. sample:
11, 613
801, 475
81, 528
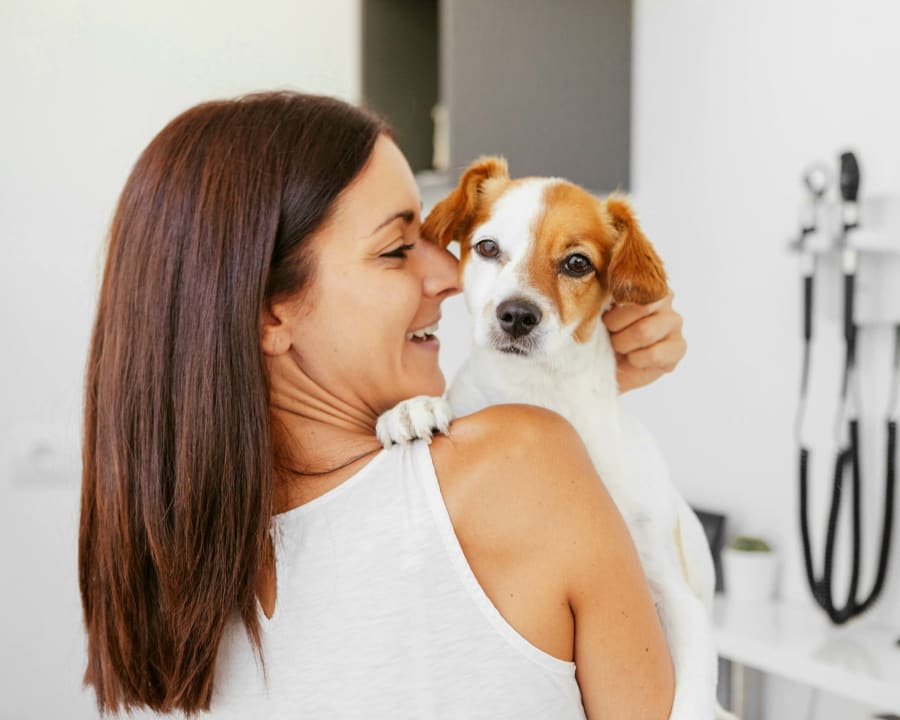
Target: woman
264, 273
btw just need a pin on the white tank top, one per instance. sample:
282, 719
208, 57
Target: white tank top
378, 615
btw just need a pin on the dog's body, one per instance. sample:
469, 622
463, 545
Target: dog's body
540, 260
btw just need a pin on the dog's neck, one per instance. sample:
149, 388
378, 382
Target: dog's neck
578, 381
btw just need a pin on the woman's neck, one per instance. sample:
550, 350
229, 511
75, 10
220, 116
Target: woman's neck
322, 438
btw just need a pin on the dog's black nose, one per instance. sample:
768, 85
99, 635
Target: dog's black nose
518, 317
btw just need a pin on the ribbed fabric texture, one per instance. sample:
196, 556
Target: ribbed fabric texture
378, 615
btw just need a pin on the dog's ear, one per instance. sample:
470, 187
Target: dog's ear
452, 217
635, 273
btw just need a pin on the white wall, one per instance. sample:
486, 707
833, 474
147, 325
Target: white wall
731, 101
85, 87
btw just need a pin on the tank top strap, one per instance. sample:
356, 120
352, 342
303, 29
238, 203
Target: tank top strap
423, 474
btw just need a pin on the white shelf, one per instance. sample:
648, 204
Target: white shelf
859, 660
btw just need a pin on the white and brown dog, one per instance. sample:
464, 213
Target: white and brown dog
540, 261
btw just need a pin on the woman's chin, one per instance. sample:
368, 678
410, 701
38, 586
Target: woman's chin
438, 384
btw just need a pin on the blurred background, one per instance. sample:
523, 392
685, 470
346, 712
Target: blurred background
707, 112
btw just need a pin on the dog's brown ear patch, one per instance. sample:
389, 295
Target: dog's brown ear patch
452, 217
635, 273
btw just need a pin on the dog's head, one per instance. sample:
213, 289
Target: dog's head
540, 258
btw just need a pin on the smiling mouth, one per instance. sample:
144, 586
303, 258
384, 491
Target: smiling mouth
423, 334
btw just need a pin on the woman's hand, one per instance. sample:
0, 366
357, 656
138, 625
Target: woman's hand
647, 340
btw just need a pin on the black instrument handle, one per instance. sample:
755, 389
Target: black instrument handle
849, 181
849, 326
807, 307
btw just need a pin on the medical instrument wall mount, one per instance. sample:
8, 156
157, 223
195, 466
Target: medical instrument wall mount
829, 228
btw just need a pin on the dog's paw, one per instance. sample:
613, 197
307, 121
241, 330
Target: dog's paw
415, 419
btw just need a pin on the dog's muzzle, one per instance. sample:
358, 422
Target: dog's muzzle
518, 317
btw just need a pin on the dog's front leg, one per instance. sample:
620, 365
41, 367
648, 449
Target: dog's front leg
415, 419
689, 634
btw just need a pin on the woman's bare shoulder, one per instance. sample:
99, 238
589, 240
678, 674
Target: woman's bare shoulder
519, 468
507, 434
508, 443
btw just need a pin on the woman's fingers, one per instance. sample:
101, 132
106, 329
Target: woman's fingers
621, 316
663, 356
633, 327
646, 332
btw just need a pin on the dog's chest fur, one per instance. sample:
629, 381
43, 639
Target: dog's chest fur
579, 384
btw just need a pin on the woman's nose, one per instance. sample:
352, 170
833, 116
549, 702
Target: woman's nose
441, 272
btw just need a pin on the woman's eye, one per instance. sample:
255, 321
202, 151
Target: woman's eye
487, 248
577, 265
399, 252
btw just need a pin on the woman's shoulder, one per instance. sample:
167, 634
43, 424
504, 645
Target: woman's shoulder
515, 421
519, 473
513, 444
508, 434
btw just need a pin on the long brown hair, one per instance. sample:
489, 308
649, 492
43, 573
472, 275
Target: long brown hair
178, 450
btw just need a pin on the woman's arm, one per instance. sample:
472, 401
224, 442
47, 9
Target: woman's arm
623, 665
550, 549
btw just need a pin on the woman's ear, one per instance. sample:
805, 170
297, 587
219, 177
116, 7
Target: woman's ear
635, 273
452, 217
275, 338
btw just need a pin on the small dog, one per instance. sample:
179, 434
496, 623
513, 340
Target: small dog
540, 260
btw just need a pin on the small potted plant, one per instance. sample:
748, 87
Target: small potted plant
750, 567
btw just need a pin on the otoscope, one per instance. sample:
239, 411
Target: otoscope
848, 442
816, 182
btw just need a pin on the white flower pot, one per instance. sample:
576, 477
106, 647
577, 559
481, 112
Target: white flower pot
749, 576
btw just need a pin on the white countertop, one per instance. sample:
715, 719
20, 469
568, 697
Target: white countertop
859, 660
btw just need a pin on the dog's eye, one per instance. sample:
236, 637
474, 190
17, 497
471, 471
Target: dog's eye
577, 265
487, 248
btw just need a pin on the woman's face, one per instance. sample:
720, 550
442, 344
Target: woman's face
376, 281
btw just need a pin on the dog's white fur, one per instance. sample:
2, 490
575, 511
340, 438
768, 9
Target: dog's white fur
578, 381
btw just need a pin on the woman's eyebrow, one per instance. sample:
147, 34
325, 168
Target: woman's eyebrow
406, 215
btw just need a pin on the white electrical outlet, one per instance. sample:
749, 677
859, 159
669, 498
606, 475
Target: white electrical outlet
42, 455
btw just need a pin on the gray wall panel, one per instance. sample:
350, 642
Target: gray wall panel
547, 84
400, 70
